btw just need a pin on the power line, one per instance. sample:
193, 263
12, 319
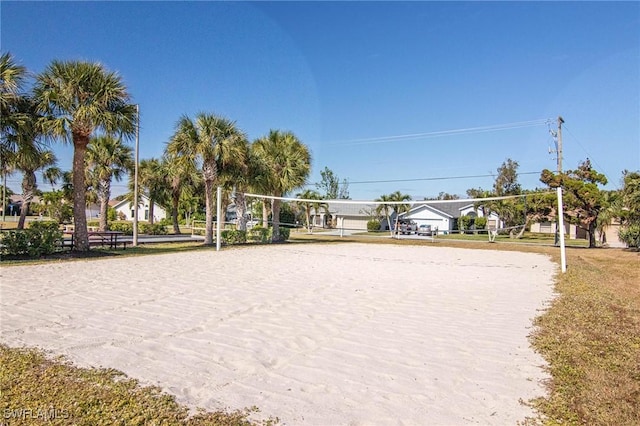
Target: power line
591, 158
423, 179
470, 130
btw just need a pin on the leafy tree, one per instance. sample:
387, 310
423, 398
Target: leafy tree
209, 142
583, 200
285, 164
629, 209
107, 158
330, 185
57, 206
79, 98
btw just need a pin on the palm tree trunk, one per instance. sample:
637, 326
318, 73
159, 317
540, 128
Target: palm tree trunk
308, 216
28, 185
103, 193
80, 234
265, 214
151, 205
208, 233
175, 201
241, 211
275, 235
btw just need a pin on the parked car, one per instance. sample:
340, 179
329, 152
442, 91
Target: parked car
406, 227
424, 230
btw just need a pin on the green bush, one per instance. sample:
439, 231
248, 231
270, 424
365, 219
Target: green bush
259, 234
39, 239
464, 223
122, 226
630, 235
232, 236
480, 223
285, 233
149, 229
373, 225
95, 223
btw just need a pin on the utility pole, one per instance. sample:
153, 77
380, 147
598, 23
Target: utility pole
135, 180
563, 256
559, 144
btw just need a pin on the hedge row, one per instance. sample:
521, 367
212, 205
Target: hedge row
38, 239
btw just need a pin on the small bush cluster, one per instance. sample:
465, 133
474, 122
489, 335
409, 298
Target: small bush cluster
124, 226
630, 235
373, 225
149, 229
233, 236
39, 239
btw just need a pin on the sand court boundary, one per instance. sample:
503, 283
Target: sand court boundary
310, 333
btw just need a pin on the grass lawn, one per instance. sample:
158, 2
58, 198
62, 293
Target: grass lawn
590, 336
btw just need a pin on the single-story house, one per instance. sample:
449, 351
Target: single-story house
124, 209
443, 216
609, 236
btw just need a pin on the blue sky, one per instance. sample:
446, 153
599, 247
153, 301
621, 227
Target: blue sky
350, 78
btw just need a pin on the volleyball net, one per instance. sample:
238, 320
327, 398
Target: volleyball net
430, 220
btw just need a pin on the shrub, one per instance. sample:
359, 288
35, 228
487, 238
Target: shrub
149, 229
232, 236
95, 223
373, 225
39, 239
464, 223
124, 226
630, 235
480, 222
259, 234
284, 233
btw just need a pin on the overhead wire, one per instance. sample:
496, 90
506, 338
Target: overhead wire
470, 130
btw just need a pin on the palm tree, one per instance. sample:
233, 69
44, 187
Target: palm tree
395, 198
12, 78
80, 98
152, 179
181, 176
211, 142
287, 162
307, 205
107, 158
30, 154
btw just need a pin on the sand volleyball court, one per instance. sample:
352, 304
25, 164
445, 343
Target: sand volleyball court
342, 334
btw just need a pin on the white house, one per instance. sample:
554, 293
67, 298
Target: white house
442, 216
124, 209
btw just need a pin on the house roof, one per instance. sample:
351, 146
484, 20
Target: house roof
342, 209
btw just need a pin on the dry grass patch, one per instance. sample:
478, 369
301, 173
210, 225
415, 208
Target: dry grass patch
35, 390
591, 338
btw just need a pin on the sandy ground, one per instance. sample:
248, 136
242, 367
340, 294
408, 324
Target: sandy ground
349, 334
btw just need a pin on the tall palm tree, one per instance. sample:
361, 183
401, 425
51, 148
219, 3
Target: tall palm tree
287, 162
30, 154
80, 98
210, 141
107, 158
385, 209
12, 79
181, 176
153, 182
